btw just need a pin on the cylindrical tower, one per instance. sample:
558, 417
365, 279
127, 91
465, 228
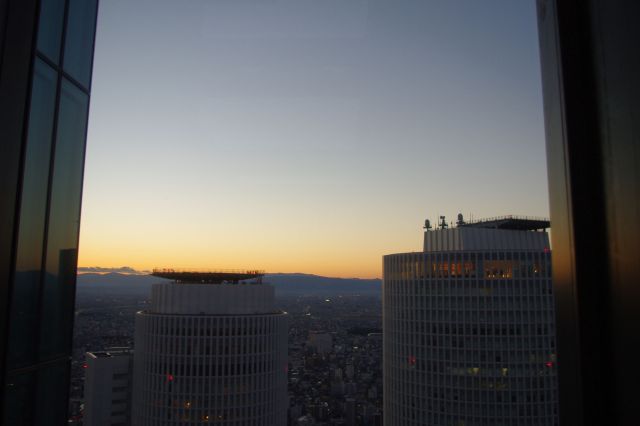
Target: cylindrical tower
468, 328
210, 352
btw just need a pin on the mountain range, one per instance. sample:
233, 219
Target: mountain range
113, 284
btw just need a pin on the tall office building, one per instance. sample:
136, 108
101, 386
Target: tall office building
210, 349
591, 87
46, 55
468, 327
107, 388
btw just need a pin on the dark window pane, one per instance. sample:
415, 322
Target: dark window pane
52, 390
18, 405
24, 306
64, 221
50, 28
78, 52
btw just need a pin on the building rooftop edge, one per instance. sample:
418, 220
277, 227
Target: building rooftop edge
516, 223
208, 276
509, 222
110, 353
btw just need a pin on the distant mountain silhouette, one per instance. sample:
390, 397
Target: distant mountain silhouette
307, 284
112, 284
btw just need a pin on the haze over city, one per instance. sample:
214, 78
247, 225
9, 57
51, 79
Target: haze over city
305, 136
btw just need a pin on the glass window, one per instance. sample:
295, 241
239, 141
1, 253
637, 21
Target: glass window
52, 390
32, 217
50, 28
18, 397
64, 221
78, 51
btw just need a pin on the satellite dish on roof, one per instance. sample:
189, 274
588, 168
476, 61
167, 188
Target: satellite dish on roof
427, 224
460, 219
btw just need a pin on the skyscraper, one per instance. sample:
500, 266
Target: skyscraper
468, 327
46, 59
591, 87
107, 388
210, 349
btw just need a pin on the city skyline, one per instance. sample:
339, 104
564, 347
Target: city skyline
305, 136
316, 136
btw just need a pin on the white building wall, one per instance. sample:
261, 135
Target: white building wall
469, 331
227, 365
107, 388
212, 299
457, 239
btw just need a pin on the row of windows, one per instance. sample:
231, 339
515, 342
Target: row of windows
485, 330
477, 401
436, 416
499, 354
472, 287
403, 309
217, 368
434, 343
468, 287
261, 409
474, 391
426, 367
494, 265
212, 326
244, 416
407, 318
213, 347
232, 369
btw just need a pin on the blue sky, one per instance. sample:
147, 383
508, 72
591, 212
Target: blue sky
307, 135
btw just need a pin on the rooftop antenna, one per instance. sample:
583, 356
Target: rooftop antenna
427, 225
443, 223
460, 220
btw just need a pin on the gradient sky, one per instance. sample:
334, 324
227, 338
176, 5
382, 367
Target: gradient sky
306, 135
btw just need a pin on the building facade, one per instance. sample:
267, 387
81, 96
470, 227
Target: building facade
46, 59
107, 388
211, 352
468, 326
591, 90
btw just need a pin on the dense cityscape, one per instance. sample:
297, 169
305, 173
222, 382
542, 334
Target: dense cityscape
335, 353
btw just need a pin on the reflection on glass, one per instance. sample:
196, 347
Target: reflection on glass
51, 394
50, 28
18, 406
64, 221
32, 216
78, 51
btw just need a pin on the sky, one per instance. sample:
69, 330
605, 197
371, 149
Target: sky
308, 136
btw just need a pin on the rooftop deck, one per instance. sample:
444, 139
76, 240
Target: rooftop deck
208, 276
519, 223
